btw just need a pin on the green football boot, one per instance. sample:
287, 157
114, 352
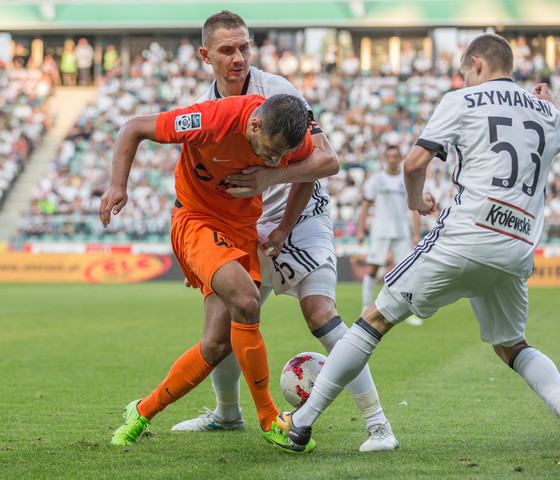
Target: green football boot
134, 426
278, 437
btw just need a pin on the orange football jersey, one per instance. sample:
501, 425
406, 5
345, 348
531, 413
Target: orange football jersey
214, 146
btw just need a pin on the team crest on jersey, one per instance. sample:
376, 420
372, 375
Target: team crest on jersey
191, 121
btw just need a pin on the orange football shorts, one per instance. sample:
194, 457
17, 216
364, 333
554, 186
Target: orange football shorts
203, 244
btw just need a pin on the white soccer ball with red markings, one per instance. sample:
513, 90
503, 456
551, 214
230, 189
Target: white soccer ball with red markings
298, 377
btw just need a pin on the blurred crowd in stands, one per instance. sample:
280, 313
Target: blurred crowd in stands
24, 119
360, 113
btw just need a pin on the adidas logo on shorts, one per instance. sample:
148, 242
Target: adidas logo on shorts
407, 296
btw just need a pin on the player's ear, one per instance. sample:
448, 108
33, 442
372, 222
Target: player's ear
204, 55
478, 64
256, 124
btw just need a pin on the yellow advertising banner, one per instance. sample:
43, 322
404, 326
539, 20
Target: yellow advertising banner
546, 272
81, 268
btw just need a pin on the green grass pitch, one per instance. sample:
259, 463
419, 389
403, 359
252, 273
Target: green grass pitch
71, 356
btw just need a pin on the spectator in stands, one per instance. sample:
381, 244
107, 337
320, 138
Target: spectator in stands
111, 61
350, 66
268, 56
288, 65
185, 52
50, 68
361, 115
68, 65
330, 59
84, 61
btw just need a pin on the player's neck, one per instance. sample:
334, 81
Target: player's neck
495, 76
227, 89
393, 172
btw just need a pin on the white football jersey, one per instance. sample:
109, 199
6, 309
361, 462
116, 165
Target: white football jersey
390, 209
505, 140
274, 198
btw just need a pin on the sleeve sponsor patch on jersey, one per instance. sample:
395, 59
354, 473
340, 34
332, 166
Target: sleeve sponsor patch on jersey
191, 121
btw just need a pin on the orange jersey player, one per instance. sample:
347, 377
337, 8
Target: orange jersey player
214, 146
214, 234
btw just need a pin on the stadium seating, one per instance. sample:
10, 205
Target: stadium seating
24, 120
360, 114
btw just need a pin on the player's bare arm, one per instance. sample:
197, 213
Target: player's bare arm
254, 180
130, 135
415, 166
299, 196
361, 232
416, 228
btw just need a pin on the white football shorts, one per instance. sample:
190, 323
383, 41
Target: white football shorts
378, 250
430, 278
308, 253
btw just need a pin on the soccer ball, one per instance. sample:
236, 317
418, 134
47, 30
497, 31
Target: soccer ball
298, 377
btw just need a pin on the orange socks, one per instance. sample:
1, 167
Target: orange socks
190, 369
249, 348
185, 374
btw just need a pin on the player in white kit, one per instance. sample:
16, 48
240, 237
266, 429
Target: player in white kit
483, 246
306, 266
390, 224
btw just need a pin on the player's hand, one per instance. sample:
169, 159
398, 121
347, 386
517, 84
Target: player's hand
187, 283
254, 180
360, 235
542, 93
273, 246
429, 205
113, 200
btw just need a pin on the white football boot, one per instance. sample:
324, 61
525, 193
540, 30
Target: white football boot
381, 439
208, 422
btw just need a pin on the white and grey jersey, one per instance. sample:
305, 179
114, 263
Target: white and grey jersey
274, 198
505, 140
390, 209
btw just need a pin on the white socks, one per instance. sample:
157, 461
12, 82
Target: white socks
225, 381
369, 284
362, 388
345, 361
541, 374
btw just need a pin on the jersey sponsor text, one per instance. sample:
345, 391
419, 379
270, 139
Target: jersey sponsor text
506, 219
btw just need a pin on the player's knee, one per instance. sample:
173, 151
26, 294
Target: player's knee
502, 352
214, 350
245, 309
506, 353
317, 318
317, 310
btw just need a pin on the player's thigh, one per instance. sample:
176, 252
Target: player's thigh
502, 310
426, 281
317, 295
205, 245
378, 251
236, 288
